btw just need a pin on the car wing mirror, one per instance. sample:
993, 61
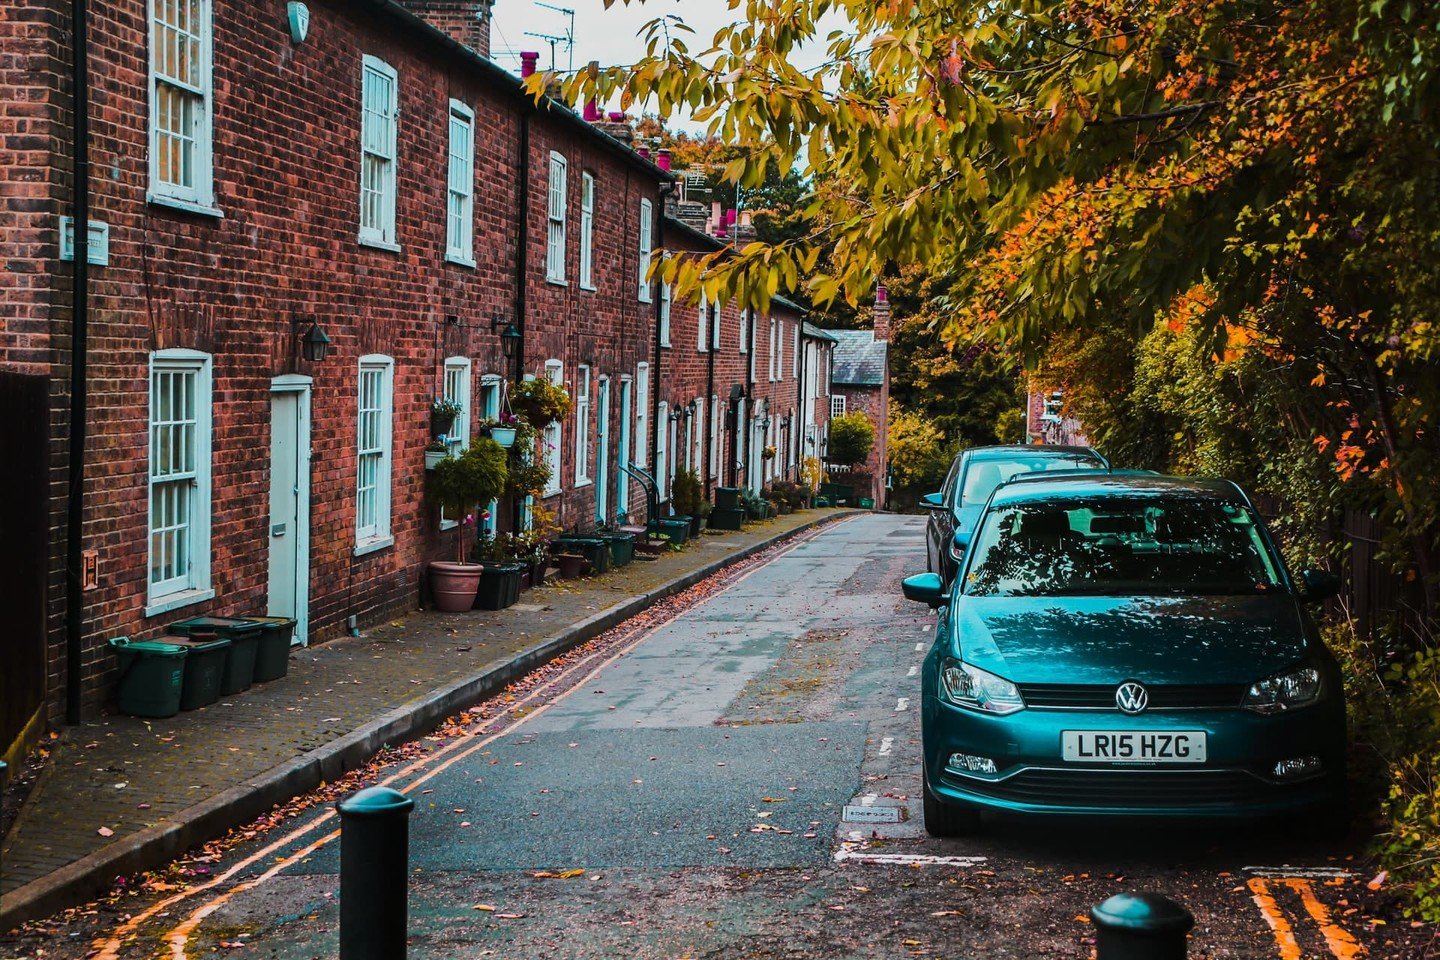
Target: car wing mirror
1319, 585
933, 501
926, 588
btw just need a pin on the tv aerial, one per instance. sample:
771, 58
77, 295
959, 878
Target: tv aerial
567, 38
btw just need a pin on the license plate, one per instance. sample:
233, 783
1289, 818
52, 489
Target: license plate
1133, 746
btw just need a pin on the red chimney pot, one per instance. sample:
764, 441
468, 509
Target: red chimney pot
528, 59
592, 110
662, 159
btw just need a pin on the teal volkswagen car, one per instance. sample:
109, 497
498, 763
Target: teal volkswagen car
1127, 644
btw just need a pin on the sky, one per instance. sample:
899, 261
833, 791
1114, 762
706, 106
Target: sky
610, 37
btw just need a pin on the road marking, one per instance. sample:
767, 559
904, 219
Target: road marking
919, 648
902, 704
1285, 871
904, 859
179, 935
1340, 943
925, 628
914, 669
886, 745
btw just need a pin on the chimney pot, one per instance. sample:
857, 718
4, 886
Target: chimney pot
881, 294
643, 151
617, 116
592, 110
662, 159
528, 59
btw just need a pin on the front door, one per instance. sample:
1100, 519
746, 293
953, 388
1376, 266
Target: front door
602, 463
622, 485
289, 583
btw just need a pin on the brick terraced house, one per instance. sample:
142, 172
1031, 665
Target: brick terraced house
861, 381
269, 182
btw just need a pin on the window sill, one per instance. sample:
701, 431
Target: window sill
557, 283
551, 493
646, 299
372, 546
175, 601
589, 287
378, 244
448, 524
665, 344
186, 206
458, 260
586, 482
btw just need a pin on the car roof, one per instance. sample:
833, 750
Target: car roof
1029, 450
1068, 484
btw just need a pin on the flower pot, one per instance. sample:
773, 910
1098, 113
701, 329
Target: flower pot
525, 579
533, 414
440, 423
697, 524
538, 569
505, 436
622, 548
433, 458
571, 565
499, 586
453, 585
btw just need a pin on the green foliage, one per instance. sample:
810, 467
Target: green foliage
919, 453
852, 436
476, 476
1010, 426
686, 493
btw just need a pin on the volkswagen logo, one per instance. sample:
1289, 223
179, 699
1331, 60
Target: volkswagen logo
1130, 697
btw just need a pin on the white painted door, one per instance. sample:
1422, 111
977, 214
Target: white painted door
622, 482
289, 563
602, 463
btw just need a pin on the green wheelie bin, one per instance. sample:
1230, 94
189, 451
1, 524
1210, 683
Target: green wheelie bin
152, 675
244, 636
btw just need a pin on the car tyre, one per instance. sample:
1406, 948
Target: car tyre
943, 819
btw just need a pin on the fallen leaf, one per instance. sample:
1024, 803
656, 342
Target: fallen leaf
1379, 880
484, 906
105, 832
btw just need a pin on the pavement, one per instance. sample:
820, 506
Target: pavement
124, 794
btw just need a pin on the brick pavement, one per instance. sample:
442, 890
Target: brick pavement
208, 769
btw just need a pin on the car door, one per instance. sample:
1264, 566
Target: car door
940, 526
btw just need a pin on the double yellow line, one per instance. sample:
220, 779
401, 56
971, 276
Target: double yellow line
1340, 943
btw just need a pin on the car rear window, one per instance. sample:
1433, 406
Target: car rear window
983, 476
1116, 546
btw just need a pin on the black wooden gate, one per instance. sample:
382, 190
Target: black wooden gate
24, 549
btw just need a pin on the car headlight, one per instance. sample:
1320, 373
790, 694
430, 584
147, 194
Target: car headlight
968, 686
1299, 687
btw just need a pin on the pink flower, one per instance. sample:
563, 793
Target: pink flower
469, 518
484, 514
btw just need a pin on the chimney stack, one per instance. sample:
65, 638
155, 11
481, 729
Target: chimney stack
882, 314
745, 228
466, 21
618, 127
528, 59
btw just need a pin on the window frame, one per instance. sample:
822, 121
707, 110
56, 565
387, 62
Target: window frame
587, 230
642, 414
744, 330
382, 236
195, 585
662, 452
554, 435
716, 434
582, 425
557, 208
198, 197
837, 405
666, 298
702, 324
459, 438
646, 242
464, 252
379, 534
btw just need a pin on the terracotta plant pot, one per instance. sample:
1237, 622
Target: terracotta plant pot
571, 565
453, 585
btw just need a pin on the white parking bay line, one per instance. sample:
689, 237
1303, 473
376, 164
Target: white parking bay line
886, 745
902, 704
913, 670
906, 859
919, 648
925, 628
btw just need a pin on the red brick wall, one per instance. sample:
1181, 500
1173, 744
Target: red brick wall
286, 152
35, 189
874, 402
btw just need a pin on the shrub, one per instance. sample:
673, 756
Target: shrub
686, 493
478, 475
852, 436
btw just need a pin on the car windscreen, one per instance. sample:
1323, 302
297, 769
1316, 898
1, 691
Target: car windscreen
1121, 546
983, 476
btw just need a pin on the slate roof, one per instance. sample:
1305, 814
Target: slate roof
859, 359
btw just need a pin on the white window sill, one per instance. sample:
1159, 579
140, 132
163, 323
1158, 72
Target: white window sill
458, 260
665, 344
448, 524
647, 299
187, 206
557, 282
588, 287
371, 546
581, 482
551, 493
175, 601
378, 244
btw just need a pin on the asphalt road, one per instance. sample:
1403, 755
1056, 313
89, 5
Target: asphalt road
741, 781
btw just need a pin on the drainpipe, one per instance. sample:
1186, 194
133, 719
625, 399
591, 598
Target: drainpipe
710, 392
80, 287
522, 265
800, 402
655, 426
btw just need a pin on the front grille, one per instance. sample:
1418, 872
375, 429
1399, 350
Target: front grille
1124, 788
1089, 696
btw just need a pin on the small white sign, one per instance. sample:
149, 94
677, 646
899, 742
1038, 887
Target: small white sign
97, 249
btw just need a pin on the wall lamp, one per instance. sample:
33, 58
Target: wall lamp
509, 337
314, 343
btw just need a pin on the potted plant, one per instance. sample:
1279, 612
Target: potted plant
571, 565
502, 429
435, 451
499, 585
443, 412
768, 453
540, 401
458, 483
687, 496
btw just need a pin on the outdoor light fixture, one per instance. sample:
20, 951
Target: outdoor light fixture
509, 341
314, 343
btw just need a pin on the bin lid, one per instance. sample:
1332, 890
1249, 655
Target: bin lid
201, 645
273, 621
155, 648
221, 625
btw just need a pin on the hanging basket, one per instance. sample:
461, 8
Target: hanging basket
505, 436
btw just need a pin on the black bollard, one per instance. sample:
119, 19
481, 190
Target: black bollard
1140, 926
374, 874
